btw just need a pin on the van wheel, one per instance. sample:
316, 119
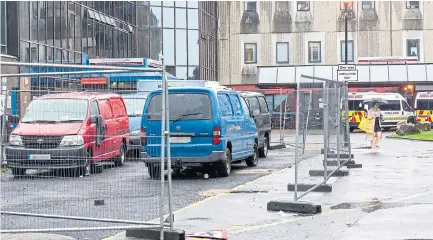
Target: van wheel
120, 160
263, 152
18, 172
154, 171
351, 129
227, 166
254, 159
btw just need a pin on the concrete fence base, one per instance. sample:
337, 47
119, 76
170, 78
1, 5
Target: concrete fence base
297, 207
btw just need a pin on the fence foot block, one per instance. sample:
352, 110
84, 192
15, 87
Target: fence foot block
154, 234
306, 187
322, 151
335, 162
297, 207
344, 155
278, 146
354, 165
338, 173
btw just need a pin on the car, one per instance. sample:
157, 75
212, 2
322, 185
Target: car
209, 127
72, 130
134, 103
259, 110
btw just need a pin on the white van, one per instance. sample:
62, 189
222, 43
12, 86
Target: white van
424, 107
397, 109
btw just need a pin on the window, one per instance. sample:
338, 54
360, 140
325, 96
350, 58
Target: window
314, 52
105, 108
254, 104
303, 6
236, 105
412, 46
354, 105
350, 6
350, 50
367, 5
263, 105
406, 107
94, 109
118, 108
424, 104
3, 26
412, 5
245, 107
282, 52
196, 106
250, 50
251, 6
225, 106
393, 105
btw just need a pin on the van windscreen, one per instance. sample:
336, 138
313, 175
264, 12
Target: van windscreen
56, 110
425, 104
187, 106
393, 105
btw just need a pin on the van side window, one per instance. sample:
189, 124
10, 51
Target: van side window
224, 103
118, 107
94, 109
254, 103
406, 107
236, 105
245, 107
263, 105
105, 107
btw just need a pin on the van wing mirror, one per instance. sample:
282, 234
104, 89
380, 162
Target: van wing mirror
255, 113
13, 118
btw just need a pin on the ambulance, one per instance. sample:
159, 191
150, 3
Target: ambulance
397, 109
424, 107
356, 110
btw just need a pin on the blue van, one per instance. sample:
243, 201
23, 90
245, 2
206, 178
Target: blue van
134, 103
209, 127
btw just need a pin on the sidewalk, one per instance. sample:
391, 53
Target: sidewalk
391, 197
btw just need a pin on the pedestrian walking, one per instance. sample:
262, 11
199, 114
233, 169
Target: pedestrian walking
376, 117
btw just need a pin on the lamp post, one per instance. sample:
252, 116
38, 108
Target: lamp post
346, 4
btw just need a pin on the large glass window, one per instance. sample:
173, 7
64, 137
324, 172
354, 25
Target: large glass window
250, 52
412, 4
192, 18
314, 52
180, 17
168, 17
412, 46
181, 51
251, 6
168, 46
282, 52
193, 47
155, 17
3, 26
350, 51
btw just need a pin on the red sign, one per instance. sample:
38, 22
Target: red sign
94, 81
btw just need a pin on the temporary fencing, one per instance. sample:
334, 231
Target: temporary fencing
323, 101
73, 162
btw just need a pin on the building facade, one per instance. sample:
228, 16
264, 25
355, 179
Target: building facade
301, 33
62, 31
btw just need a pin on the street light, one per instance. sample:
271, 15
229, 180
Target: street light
346, 4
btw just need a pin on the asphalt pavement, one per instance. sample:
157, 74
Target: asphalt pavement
125, 193
391, 197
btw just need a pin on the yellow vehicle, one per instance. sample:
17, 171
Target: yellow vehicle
424, 107
356, 109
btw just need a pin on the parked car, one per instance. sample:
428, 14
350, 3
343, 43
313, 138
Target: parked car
69, 130
209, 127
259, 110
134, 106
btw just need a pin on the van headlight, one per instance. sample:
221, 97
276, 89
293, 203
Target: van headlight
134, 133
72, 140
15, 140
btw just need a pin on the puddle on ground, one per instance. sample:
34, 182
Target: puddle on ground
198, 219
370, 206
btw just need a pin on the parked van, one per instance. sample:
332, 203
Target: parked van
259, 110
209, 127
397, 109
69, 130
356, 110
424, 107
134, 106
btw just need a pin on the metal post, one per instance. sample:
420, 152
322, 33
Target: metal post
281, 122
339, 103
162, 166
345, 33
285, 113
3, 125
346, 110
298, 95
167, 136
325, 129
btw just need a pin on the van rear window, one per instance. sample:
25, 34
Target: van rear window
187, 106
354, 105
425, 104
393, 105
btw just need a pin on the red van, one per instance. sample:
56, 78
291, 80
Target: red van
69, 131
